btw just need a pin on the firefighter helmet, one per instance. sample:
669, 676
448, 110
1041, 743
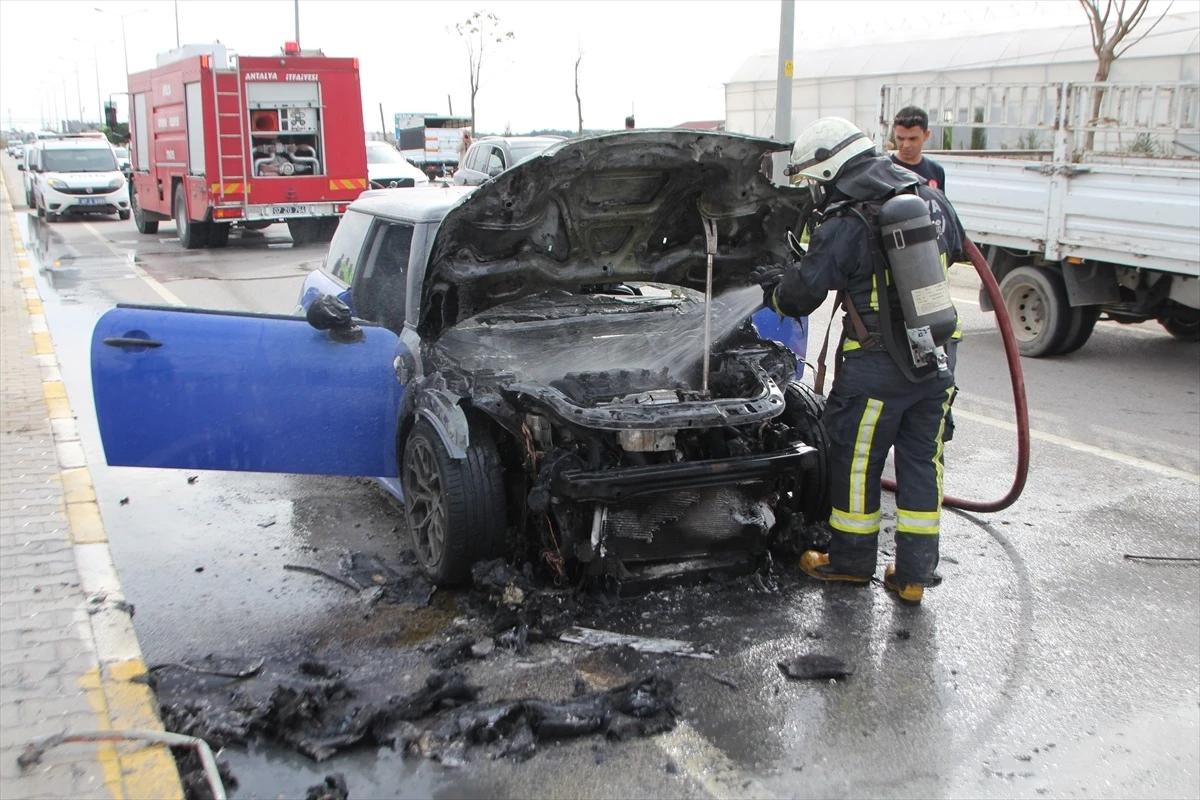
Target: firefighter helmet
823, 149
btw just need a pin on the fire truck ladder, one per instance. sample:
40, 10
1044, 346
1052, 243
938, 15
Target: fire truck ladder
235, 180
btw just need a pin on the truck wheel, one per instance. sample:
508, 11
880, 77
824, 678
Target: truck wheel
456, 509
302, 231
192, 235
1081, 323
1036, 300
1182, 330
218, 234
139, 216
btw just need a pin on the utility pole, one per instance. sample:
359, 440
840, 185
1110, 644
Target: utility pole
382, 124
783, 90
176, 25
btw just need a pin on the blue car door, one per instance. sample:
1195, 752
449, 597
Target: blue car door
195, 389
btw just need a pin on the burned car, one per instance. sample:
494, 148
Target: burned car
559, 365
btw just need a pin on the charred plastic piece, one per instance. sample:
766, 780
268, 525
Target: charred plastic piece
328, 313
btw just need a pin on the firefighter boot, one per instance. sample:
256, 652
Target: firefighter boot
816, 565
909, 593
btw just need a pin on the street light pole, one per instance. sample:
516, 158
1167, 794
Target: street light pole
124, 41
176, 24
78, 92
96, 69
297, 7
783, 87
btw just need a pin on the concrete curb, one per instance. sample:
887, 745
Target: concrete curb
116, 687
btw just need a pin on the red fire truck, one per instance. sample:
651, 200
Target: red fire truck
218, 140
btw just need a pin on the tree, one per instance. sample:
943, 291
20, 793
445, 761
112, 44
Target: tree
578, 102
480, 32
1107, 40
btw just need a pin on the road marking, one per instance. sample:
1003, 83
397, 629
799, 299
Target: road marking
1112, 455
159, 289
700, 760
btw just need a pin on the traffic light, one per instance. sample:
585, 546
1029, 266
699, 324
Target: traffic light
110, 115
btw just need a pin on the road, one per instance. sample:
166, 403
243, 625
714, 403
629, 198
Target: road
1046, 663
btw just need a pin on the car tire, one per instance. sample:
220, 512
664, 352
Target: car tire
1036, 301
139, 216
29, 198
123, 215
805, 410
1184, 331
456, 508
1079, 328
192, 235
41, 212
218, 234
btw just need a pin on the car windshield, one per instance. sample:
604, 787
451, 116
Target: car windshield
81, 160
384, 154
527, 150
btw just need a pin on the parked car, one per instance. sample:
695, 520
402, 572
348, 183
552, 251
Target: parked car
521, 363
74, 174
123, 162
388, 169
488, 157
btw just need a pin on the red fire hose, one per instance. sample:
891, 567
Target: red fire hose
1018, 387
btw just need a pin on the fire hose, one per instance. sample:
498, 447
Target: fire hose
1018, 389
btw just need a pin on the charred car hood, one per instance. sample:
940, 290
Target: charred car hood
605, 209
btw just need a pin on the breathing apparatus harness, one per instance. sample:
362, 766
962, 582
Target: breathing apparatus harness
914, 340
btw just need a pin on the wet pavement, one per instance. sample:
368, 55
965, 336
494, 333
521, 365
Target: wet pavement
1045, 664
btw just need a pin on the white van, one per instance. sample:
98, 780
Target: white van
74, 175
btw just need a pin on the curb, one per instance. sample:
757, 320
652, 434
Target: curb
116, 687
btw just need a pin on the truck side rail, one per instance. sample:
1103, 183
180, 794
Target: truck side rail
1079, 121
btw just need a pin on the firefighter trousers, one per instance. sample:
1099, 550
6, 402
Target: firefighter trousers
871, 409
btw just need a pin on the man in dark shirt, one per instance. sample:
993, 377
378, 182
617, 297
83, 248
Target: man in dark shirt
911, 131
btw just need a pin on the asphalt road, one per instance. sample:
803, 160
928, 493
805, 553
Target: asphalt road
1045, 664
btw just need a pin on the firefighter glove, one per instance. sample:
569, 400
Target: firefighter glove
768, 277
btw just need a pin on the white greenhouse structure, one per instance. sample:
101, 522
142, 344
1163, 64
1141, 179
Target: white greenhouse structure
845, 78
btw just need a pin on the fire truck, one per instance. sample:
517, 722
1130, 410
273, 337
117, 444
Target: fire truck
219, 140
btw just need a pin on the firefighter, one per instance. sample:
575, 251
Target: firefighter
882, 398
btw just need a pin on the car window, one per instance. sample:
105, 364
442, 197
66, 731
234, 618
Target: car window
475, 157
81, 160
495, 162
381, 289
525, 150
347, 246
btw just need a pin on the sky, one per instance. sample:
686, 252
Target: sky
664, 60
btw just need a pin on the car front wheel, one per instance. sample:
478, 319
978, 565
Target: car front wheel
455, 507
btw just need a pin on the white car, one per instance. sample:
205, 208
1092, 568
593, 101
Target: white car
388, 169
75, 175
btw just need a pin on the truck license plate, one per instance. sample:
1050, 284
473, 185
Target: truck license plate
281, 210
91, 201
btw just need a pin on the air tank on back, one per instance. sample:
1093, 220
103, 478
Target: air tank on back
910, 241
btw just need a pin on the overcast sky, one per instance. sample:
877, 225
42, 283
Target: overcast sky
666, 60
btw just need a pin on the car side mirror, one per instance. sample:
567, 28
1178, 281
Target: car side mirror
328, 313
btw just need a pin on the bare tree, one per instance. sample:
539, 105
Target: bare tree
578, 102
1110, 28
480, 32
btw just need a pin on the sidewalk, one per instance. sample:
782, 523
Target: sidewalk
69, 660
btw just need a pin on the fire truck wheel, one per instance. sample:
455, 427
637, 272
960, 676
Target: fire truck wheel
139, 217
303, 231
192, 235
218, 235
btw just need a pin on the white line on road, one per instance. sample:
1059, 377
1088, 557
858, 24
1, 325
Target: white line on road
159, 289
1112, 455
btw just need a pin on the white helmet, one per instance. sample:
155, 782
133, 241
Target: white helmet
824, 147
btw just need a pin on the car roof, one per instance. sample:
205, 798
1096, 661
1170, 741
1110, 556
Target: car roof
76, 144
548, 139
415, 204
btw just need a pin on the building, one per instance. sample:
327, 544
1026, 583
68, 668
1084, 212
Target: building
844, 78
